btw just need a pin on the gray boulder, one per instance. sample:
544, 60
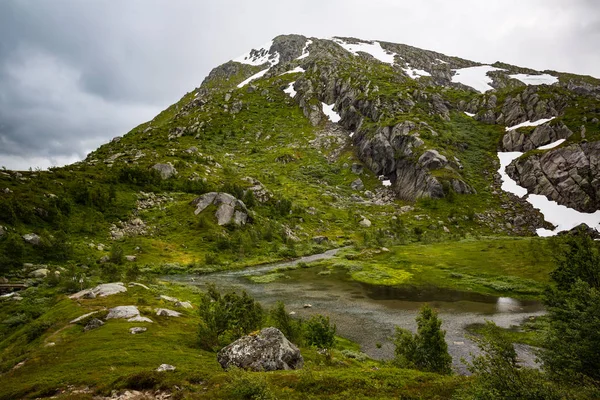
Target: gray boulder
269, 350
365, 223
103, 290
32, 238
137, 329
123, 312
165, 367
166, 170
357, 169
320, 239
357, 184
230, 210
432, 159
93, 324
39, 273
164, 312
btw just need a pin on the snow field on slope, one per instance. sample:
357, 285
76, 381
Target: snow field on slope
529, 123
415, 73
305, 52
543, 79
293, 71
563, 217
253, 77
261, 58
290, 90
475, 77
373, 48
328, 110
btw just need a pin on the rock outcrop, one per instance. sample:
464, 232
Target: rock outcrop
32, 238
166, 170
568, 175
230, 210
269, 350
517, 140
103, 290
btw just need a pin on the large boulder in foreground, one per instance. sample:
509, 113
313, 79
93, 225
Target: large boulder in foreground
269, 350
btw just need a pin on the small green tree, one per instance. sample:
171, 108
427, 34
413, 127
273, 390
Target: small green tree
291, 328
116, 255
572, 341
320, 333
498, 375
427, 349
226, 318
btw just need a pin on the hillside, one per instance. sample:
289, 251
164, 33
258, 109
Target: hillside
303, 145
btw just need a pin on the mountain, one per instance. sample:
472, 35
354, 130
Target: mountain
297, 147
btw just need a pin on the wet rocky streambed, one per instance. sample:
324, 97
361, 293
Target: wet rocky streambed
368, 314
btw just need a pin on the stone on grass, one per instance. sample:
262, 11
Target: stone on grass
32, 238
93, 324
164, 312
165, 367
365, 223
123, 312
39, 273
103, 290
269, 350
137, 329
139, 318
166, 170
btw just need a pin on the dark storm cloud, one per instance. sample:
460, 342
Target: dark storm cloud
73, 74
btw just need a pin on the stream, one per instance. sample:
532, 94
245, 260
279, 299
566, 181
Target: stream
368, 314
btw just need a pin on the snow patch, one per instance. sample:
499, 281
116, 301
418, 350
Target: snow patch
543, 79
259, 56
372, 48
386, 182
305, 52
441, 61
475, 77
469, 114
290, 90
253, 77
563, 217
351, 134
509, 184
415, 73
529, 123
293, 71
552, 145
328, 110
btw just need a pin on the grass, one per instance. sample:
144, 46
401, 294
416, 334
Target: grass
109, 358
517, 267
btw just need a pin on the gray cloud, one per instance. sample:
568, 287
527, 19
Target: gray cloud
74, 74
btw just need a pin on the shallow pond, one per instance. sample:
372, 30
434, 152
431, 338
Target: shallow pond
368, 314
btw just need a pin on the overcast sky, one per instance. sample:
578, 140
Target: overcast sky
74, 74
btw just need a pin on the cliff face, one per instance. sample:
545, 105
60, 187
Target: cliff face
569, 175
398, 102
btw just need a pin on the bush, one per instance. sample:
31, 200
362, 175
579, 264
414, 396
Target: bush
245, 385
226, 318
37, 329
498, 375
116, 255
571, 352
320, 333
291, 328
427, 350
